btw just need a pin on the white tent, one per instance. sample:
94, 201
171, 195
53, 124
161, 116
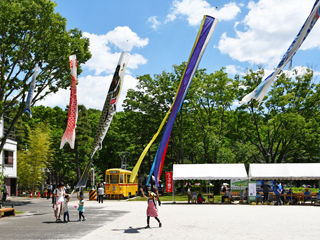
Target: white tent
284, 171
209, 171
235, 171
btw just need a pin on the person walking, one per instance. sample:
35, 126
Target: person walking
277, 191
152, 209
5, 192
59, 195
81, 208
66, 210
49, 188
54, 187
100, 193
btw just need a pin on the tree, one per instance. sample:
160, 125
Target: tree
34, 160
84, 142
285, 127
32, 34
1, 179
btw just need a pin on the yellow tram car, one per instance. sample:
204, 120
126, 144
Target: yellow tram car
118, 185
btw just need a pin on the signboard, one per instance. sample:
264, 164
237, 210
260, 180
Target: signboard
252, 191
239, 185
169, 186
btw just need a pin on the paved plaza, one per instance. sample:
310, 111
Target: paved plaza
123, 220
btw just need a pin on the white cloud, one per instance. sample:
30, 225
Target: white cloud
300, 71
121, 38
233, 69
269, 28
91, 92
195, 9
154, 21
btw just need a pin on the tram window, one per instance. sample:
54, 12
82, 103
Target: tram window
128, 178
107, 179
121, 178
114, 178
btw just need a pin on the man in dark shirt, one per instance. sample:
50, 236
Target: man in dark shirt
265, 188
5, 192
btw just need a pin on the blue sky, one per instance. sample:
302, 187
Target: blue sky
158, 34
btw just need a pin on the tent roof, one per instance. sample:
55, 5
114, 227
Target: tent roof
209, 171
285, 171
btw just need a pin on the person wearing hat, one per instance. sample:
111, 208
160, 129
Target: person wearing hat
151, 210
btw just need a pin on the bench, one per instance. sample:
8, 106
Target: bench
234, 196
7, 211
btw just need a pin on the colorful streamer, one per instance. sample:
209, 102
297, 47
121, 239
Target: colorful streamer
108, 111
70, 133
31, 91
259, 92
206, 29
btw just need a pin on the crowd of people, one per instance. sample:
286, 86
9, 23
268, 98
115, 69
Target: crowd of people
266, 194
60, 196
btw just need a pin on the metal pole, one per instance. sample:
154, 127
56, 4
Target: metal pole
209, 192
291, 192
173, 192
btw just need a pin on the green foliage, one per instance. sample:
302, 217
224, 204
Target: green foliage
33, 162
33, 34
285, 128
2, 176
210, 127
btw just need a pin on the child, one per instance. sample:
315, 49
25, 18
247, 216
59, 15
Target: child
81, 208
151, 210
66, 209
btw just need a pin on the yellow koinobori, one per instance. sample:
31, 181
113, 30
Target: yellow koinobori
137, 166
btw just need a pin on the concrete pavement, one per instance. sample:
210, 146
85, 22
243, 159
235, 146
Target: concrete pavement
123, 220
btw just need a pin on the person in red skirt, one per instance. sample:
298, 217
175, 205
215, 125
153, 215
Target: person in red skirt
151, 210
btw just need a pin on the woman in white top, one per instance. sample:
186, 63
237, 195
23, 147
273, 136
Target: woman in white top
59, 194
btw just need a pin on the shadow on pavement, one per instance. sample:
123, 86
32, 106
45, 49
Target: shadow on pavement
129, 230
16, 203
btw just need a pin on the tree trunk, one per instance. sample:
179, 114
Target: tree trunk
77, 161
216, 187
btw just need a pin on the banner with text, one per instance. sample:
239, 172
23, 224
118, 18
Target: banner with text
169, 182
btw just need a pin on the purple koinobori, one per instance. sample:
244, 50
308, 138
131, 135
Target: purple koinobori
261, 90
206, 29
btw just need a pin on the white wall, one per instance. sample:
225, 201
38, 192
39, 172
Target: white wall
10, 145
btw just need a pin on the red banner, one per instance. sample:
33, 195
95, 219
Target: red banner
169, 185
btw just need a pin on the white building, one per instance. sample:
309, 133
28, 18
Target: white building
8, 161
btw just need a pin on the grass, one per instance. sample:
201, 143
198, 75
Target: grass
177, 197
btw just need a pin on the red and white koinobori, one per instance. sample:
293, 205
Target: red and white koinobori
70, 133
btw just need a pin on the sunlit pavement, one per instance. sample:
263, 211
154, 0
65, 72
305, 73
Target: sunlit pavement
123, 220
